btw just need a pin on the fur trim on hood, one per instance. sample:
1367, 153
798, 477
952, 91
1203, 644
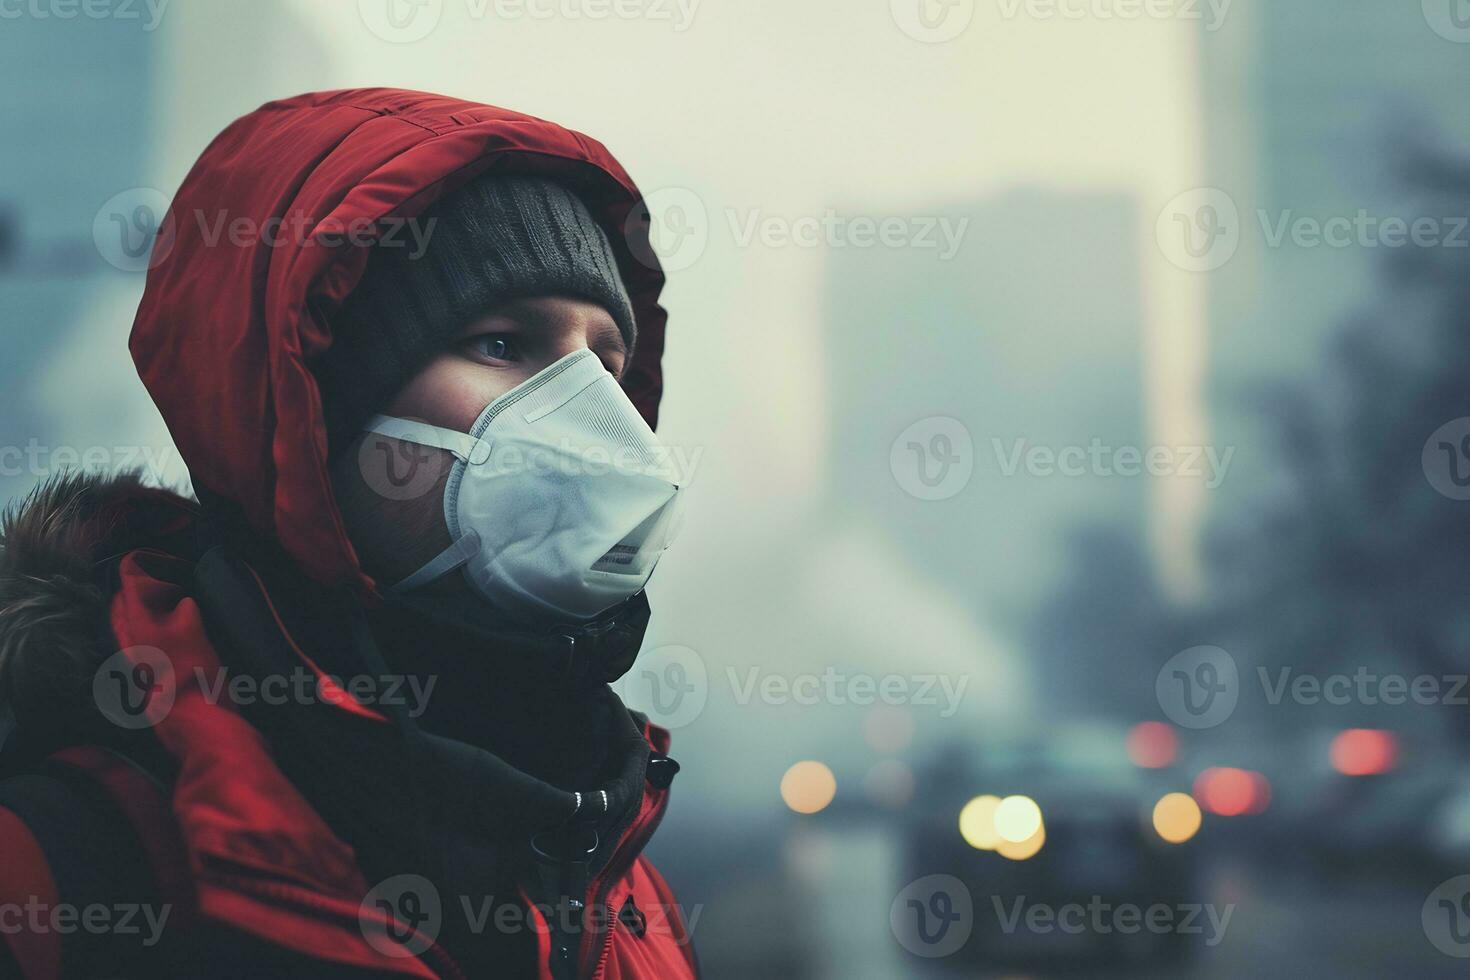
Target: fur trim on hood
56, 546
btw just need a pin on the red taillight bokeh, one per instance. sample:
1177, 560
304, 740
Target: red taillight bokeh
1152, 745
1364, 752
1229, 792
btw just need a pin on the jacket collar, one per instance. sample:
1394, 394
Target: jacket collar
273, 624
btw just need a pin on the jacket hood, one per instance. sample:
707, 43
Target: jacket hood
269, 233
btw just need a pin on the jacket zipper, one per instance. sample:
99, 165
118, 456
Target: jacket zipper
617, 866
571, 888
607, 941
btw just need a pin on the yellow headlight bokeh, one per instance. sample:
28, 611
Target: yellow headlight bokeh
808, 787
1017, 819
1177, 817
1021, 850
977, 823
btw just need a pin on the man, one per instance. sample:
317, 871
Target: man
348, 715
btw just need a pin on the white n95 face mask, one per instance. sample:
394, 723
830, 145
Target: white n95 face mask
560, 500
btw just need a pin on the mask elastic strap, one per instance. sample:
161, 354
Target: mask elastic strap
463, 445
441, 564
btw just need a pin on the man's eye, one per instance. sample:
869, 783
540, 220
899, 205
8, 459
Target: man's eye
496, 347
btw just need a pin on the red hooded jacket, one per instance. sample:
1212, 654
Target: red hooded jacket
267, 235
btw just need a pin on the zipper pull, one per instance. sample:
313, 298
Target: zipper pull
563, 862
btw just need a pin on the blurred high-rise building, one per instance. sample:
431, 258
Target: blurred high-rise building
1310, 111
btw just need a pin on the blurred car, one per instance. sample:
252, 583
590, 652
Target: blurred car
1099, 854
1403, 821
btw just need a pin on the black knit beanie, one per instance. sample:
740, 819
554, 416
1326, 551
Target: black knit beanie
494, 240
